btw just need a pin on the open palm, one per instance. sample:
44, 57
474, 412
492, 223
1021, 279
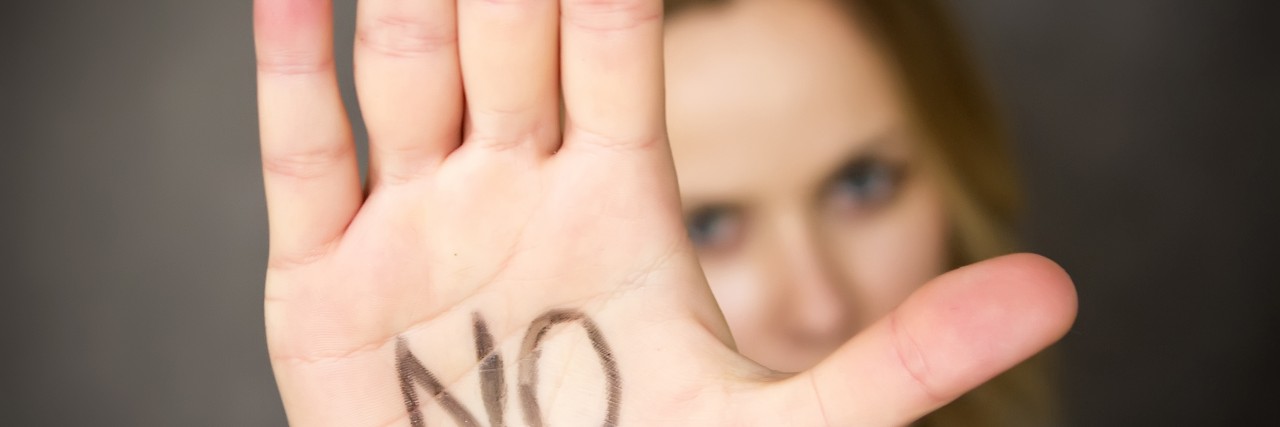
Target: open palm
513, 262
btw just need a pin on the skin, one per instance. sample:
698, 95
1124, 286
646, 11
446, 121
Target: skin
490, 209
769, 102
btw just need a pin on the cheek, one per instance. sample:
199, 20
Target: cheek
886, 257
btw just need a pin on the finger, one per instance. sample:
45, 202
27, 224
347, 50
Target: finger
309, 162
409, 84
509, 67
611, 60
957, 332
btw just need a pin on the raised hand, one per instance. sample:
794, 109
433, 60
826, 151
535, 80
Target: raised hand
516, 262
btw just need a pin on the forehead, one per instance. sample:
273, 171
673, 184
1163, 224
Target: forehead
769, 93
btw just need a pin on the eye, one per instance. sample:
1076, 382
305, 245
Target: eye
714, 228
865, 184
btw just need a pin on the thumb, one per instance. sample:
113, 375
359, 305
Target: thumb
958, 331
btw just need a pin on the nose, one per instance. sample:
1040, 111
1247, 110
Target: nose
817, 307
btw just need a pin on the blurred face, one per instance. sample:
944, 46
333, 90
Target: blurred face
805, 190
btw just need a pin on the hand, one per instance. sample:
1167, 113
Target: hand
508, 267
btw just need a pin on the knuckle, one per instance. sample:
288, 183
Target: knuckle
294, 62
306, 164
292, 261
637, 141
912, 360
286, 257
611, 15
401, 166
511, 2
502, 141
500, 129
520, 4
406, 37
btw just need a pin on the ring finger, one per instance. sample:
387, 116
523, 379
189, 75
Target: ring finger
509, 53
409, 84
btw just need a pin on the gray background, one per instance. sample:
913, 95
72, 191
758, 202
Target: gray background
134, 227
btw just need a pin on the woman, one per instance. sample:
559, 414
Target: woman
833, 155
519, 255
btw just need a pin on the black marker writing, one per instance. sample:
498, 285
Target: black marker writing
531, 351
492, 382
493, 387
411, 371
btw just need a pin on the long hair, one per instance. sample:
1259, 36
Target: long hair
967, 148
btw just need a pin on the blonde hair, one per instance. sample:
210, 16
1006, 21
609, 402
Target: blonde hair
954, 113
